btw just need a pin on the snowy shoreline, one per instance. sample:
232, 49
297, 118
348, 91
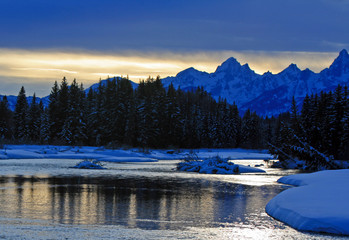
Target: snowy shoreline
318, 203
121, 155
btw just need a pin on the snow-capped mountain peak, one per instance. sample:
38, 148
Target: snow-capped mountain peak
340, 65
344, 53
189, 72
230, 65
291, 69
267, 94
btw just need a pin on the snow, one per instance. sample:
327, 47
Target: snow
318, 204
215, 165
134, 155
89, 164
121, 155
250, 90
65, 152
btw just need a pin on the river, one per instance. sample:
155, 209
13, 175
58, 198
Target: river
45, 199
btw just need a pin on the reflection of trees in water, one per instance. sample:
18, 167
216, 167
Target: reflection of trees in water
140, 202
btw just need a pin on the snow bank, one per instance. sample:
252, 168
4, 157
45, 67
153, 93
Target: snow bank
320, 203
66, 152
120, 155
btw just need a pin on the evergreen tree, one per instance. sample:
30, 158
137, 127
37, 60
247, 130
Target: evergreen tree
5, 119
91, 117
295, 121
250, 130
44, 125
125, 112
109, 112
172, 115
34, 120
63, 107
53, 113
73, 131
21, 117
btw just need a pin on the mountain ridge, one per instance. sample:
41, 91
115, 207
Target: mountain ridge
268, 94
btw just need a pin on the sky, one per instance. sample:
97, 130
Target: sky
42, 41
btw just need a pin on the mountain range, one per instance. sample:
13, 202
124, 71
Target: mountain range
267, 94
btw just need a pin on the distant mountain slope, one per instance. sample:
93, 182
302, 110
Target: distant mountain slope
267, 94
95, 86
12, 100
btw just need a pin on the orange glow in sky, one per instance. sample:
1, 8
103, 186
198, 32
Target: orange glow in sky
46, 66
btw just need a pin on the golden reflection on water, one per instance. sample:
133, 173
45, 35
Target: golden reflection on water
140, 204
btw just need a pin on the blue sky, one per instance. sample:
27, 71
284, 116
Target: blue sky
197, 33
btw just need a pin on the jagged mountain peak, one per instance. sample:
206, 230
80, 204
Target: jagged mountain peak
229, 65
189, 72
307, 70
343, 53
246, 66
343, 57
268, 94
292, 68
267, 73
340, 65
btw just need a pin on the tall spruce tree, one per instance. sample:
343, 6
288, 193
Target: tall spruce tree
5, 119
21, 117
53, 113
73, 131
34, 120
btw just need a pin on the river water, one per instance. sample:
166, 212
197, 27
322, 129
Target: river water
45, 199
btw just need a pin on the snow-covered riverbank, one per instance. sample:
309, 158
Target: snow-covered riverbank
319, 203
121, 155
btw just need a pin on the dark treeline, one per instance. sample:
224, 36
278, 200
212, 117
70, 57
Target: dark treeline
318, 133
114, 114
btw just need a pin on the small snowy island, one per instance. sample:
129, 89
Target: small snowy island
89, 164
214, 165
319, 203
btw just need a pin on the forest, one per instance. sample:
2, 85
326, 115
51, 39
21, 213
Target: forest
151, 116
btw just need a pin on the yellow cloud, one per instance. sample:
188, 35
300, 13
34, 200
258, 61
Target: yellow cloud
87, 67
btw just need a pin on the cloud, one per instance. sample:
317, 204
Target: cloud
30, 67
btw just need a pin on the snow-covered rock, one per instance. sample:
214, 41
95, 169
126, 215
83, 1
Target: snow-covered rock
215, 165
318, 204
89, 164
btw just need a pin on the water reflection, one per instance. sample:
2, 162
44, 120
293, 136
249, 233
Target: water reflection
135, 202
